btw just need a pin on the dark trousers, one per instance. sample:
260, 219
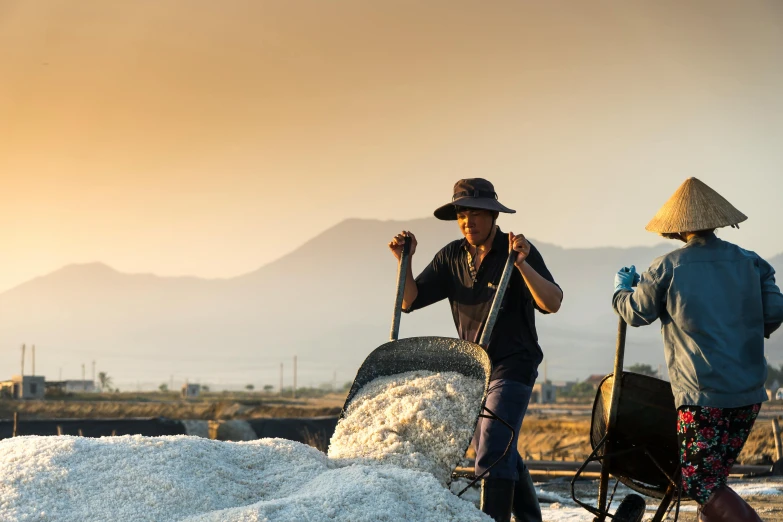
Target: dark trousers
508, 400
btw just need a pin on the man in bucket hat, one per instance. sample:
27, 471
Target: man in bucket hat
716, 303
467, 272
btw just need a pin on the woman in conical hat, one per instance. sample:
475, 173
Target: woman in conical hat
717, 303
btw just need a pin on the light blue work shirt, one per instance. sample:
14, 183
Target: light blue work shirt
716, 303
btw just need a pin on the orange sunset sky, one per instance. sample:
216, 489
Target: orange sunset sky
207, 138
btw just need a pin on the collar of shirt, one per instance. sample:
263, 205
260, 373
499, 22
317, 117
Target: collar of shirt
499, 243
702, 240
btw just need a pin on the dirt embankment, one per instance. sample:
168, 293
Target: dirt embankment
558, 438
555, 438
205, 410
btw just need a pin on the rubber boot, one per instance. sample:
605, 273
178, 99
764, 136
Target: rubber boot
724, 505
497, 496
525, 506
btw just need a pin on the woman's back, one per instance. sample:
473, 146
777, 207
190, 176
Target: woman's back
709, 296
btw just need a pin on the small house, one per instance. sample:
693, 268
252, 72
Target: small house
24, 387
543, 393
595, 380
190, 391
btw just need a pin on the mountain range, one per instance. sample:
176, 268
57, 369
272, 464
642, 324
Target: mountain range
329, 303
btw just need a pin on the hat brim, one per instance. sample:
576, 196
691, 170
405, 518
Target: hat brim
448, 212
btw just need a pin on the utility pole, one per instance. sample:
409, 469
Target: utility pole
93, 372
281, 379
294, 376
23, 349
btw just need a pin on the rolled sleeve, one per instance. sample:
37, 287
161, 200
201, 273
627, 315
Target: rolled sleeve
643, 306
771, 298
432, 284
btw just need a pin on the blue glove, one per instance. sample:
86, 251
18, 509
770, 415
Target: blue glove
625, 279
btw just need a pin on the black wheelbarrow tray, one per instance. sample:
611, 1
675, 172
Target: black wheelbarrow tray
633, 434
436, 354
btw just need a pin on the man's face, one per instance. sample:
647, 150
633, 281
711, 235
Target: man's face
475, 225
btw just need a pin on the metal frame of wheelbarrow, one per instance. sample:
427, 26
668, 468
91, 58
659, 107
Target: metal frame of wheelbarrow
402, 355
603, 453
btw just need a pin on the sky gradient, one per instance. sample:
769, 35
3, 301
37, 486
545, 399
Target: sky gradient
205, 138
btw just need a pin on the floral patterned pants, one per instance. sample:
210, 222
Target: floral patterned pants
710, 441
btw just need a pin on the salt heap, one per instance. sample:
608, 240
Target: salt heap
180, 478
416, 420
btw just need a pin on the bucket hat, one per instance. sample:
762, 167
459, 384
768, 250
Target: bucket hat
471, 193
694, 207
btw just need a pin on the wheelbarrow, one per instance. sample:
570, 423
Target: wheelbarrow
436, 354
633, 434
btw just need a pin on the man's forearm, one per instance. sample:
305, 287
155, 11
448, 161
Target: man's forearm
411, 290
546, 294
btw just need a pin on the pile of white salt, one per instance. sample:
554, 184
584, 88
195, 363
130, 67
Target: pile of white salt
386, 471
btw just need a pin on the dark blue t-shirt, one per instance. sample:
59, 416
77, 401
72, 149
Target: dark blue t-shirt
513, 347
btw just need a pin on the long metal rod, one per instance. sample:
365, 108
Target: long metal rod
498, 300
402, 271
617, 379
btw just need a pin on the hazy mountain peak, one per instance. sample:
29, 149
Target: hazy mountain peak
329, 302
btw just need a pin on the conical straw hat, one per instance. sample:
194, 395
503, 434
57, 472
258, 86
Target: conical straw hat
694, 206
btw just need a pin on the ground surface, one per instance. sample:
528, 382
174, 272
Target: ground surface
764, 494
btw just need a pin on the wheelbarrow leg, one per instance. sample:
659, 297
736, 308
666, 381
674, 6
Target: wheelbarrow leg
665, 503
492, 416
603, 491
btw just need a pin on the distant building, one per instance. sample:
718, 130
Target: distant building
55, 388
24, 387
563, 386
78, 386
190, 390
595, 380
543, 393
